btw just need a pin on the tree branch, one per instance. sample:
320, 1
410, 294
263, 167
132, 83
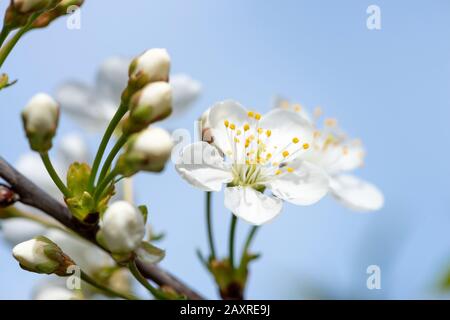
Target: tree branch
32, 195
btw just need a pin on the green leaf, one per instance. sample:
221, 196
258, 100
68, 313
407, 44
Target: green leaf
78, 178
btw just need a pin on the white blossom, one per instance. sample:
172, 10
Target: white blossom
262, 152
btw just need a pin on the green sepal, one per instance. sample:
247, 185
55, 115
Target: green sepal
148, 253
143, 209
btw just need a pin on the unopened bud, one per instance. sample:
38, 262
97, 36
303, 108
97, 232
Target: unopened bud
122, 227
148, 150
40, 120
41, 255
153, 65
7, 196
27, 6
60, 10
148, 105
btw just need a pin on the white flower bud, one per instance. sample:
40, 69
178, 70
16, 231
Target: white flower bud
42, 256
148, 150
153, 65
204, 128
25, 6
152, 103
122, 227
40, 119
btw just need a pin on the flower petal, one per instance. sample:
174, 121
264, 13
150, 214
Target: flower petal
235, 114
202, 166
185, 91
305, 185
17, 230
251, 205
286, 125
84, 106
112, 78
356, 194
73, 147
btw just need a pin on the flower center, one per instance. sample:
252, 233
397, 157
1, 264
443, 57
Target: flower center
255, 157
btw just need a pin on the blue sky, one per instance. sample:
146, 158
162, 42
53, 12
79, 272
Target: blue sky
389, 87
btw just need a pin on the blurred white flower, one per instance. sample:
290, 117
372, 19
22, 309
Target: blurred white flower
93, 106
263, 152
53, 291
337, 154
72, 148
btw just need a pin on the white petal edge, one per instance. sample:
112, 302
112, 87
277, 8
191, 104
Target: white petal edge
226, 110
306, 185
252, 206
356, 194
202, 166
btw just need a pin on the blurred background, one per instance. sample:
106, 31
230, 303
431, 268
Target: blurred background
390, 87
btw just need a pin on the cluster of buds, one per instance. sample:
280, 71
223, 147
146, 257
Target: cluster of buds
19, 12
40, 120
147, 150
41, 255
148, 94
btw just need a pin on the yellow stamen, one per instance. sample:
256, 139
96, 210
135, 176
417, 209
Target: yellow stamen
305, 146
278, 172
289, 169
269, 155
246, 127
295, 140
236, 140
251, 114
268, 133
226, 123
330, 122
285, 153
257, 116
260, 130
238, 132
232, 126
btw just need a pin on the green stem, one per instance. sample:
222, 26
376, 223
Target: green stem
110, 291
4, 34
101, 150
51, 171
112, 154
104, 184
7, 48
248, 242
232, 239
139, 277
209, 226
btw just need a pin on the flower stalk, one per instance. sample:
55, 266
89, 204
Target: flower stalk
106, 137
53, 174
209, 226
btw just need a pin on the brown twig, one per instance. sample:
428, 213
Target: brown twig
32, 195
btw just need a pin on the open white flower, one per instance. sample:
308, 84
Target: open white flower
92, 107
337, 154
251, 153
